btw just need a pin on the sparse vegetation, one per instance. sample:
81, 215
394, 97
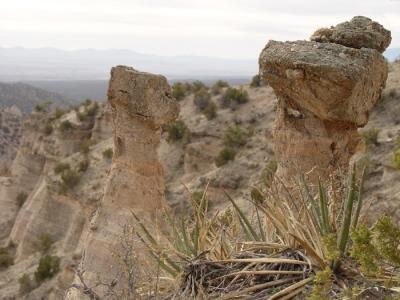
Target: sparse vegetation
83, 165
234, 137
65, 125
255, 81
47, 129
198, 85
48, 267
69, 178
58, 113
322, 285
26, 284
370, 136
84, 147
233, 97
61, 167
225, 155
178, 90
202, 99
210, 111
218, 86
43, 243
6, 258
108, 153
21, 198
43, 106
178, 130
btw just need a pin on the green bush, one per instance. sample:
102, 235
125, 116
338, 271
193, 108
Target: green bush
87, 102
387, 237
70, 178
92, 109
108, 153
47, 129
370, 136
6, 259
234, 136
255, 81
44, 243
84, 147
43, 106
178, 131
256, 195
197, 86
61, 167
25, 284
65, 125
48, 267
210, 111
218, 86
397, 159
81, 115
225, 155
83, 165
58, 113
233, 96
21, 198
178, 90
202, 99
363, 249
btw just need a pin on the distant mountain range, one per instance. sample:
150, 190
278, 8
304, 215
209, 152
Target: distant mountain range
22, 64
26, 97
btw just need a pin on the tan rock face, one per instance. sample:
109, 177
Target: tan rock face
360, 32
141, 103
325, 90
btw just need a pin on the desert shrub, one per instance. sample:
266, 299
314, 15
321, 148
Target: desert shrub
48, 267
322, 285
47, 129
370, 136
234, 136
178, 130
65, 125
92, 109
43, 243
6, 258
25, 284
202, 99
363, 249
83, 165
81, 115
69, 178
21, 198
198, 85
267, 174
84, 147
387, 237
87, 102
256, 195
210, 111
397, 159
61, 167
58, 113
178, 90
233, 96
255, 81
43, 106
218, 86
225, 155
108, 153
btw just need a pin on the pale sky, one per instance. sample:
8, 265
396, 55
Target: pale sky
222, 28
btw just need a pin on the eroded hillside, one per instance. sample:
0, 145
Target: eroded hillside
223, 138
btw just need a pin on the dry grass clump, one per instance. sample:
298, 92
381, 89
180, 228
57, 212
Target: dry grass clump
307, 242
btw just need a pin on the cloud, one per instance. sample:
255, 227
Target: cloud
229, 28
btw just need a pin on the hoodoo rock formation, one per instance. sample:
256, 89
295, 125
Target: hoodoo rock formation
141, 103
325, 88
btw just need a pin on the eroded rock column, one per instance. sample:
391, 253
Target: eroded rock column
325, 88
141, 103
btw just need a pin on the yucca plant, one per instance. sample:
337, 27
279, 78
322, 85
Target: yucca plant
272, 250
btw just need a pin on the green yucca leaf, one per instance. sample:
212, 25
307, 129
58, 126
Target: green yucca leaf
188, 246
348, 209
260, 226
314, 206
159, 259
323, 204
177, 240
243, 218
359, 200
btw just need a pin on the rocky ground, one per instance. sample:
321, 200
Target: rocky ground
60, 204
